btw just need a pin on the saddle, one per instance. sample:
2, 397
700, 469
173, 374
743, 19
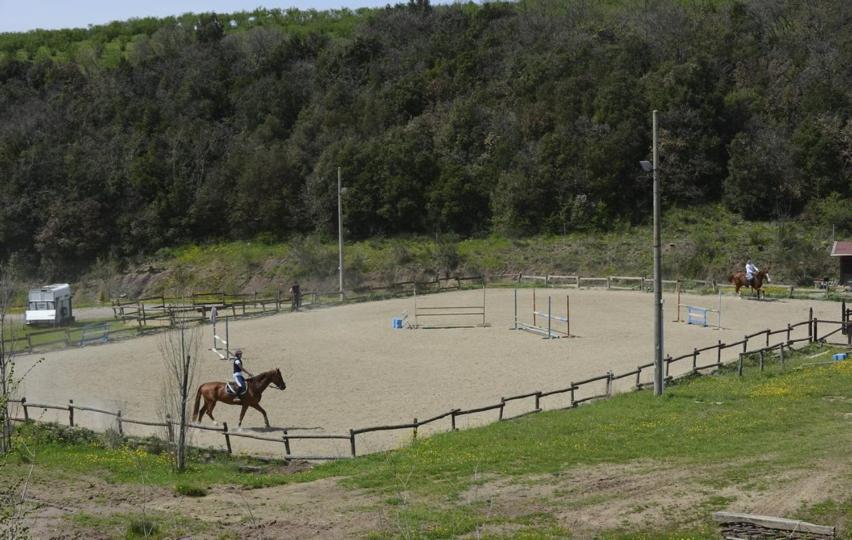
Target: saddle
231, 391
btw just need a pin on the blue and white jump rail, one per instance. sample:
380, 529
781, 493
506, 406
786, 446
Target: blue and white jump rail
699, 315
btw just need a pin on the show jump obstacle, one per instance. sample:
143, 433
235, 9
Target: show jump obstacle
217, 339
699, 315
449, 316
551, 331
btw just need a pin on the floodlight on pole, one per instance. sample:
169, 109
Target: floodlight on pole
340, 191
658, 281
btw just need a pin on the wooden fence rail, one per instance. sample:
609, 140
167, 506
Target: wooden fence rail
761, 353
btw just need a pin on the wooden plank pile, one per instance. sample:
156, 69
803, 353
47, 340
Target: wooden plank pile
734, 526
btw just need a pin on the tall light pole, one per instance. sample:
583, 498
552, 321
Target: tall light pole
340, 232
658, 280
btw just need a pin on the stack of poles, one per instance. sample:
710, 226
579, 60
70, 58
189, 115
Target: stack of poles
718, 311
550, 333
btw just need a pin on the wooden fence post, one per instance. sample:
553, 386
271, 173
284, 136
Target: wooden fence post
453, 419
609, 383
71, 412
502, 404
170, 429
638, 378
572, 393
768, 331
781, 353
538, 400
352, 441
694, 359
120, 426
719, 353
816, 332
24, 405
414, 436
668, 365
762, 358
745, 344
286, 444
740, 365
810, 325
227, 437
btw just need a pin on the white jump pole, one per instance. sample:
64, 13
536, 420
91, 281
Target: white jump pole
516, 308
483, 301
549, 333
568, 315
719, 318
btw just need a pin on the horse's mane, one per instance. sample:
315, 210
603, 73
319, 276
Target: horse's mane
273, 370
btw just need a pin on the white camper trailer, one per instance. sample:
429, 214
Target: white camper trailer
50, 304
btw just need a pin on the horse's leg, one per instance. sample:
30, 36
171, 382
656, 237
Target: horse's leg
201, 412
265, 418
242, 413
209, 406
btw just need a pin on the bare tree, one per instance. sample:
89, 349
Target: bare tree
7, 353
179, 349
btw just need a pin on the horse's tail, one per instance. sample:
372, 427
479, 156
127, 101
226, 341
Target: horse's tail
197, 404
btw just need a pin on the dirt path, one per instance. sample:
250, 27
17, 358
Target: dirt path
346, 367
586, 500
320, 509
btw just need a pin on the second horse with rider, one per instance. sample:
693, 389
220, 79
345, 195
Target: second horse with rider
751, 270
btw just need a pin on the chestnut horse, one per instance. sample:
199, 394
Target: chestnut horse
215, 391
739, 280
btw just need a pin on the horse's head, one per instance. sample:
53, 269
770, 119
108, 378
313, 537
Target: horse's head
765, 275
278, 380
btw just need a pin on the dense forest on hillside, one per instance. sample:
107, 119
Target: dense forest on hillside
517, 118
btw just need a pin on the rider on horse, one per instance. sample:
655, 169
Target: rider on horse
750, 271
240, 374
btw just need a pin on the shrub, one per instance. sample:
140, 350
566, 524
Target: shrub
189, 490
111, 439
141, 526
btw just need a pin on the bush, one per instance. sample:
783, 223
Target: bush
50, 433
141, 526
188, 490
111, 439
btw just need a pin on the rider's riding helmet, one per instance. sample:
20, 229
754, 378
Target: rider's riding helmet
238, 353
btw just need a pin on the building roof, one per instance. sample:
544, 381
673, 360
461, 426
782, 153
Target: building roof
842, 249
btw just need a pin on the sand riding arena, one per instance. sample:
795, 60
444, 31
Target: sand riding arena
346, 367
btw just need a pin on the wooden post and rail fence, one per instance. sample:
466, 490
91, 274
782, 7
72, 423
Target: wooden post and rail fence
594, 388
